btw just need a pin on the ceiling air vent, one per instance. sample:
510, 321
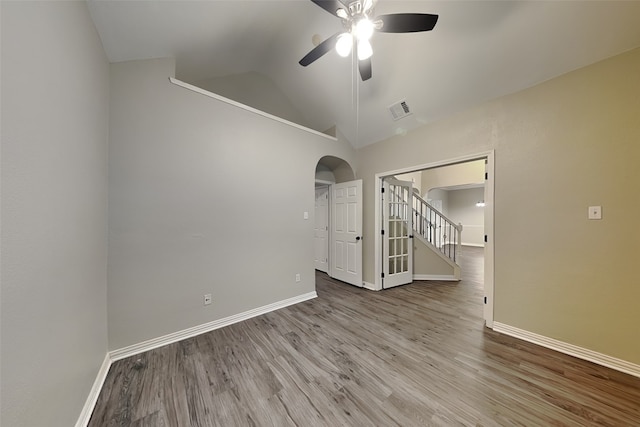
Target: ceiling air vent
399, 110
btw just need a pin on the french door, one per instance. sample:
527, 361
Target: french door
397, 249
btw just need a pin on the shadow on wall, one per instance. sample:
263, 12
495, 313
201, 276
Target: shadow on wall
333, 170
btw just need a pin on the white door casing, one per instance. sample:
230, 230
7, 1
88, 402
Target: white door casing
489, 222
489, 247
397, 251
346, 232
321, 229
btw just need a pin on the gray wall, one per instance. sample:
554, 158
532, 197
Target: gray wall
453, 175
462, 208
54, 202
205, 197
548, 141
439, 194
426, 261
256, 90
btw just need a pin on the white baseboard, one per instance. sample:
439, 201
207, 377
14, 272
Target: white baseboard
369, 286
132, 350
474, 245
440, 277
206, 327
570, 349
90, 403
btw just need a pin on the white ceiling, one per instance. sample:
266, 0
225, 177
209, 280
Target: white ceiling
479, 50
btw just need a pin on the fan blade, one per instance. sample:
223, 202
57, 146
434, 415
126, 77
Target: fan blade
330, 6
364, 66
407, 22
319, 50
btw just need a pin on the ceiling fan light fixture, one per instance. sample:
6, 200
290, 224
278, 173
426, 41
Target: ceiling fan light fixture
359, 28
364, 49
364, 29
344, 44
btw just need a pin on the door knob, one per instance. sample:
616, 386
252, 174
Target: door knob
357, 237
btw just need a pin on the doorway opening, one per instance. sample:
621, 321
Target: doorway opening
434, 181
338, 221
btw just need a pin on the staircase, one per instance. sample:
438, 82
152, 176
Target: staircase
436, 229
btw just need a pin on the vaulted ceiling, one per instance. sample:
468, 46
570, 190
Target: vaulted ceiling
479, 50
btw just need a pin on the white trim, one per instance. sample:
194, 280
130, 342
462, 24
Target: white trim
489, 247
441, 277
433, 165
369, 286
570, 349
488, 267
206, 327
247, 108
90, 403
378, 241
112, 356
473, 245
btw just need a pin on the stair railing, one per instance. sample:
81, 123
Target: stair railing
436, 228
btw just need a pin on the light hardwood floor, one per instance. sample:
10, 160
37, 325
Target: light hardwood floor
416, 355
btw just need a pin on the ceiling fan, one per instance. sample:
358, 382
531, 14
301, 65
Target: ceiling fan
359, 27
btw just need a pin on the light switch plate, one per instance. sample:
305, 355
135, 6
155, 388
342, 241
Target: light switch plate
595, 212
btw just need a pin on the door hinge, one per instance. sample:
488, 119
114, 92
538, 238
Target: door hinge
486, 239
485, 300
382, 190
382, 275
486, 175
382, 232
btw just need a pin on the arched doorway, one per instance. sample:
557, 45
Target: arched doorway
333, 170
338, 221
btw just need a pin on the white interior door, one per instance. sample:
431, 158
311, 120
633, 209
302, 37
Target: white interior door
321, 229
397, 248
346, 232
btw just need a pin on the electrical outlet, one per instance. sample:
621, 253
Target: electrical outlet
298, 277
595, 212
207, 299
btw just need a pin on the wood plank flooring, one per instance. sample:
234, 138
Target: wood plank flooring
416, 355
